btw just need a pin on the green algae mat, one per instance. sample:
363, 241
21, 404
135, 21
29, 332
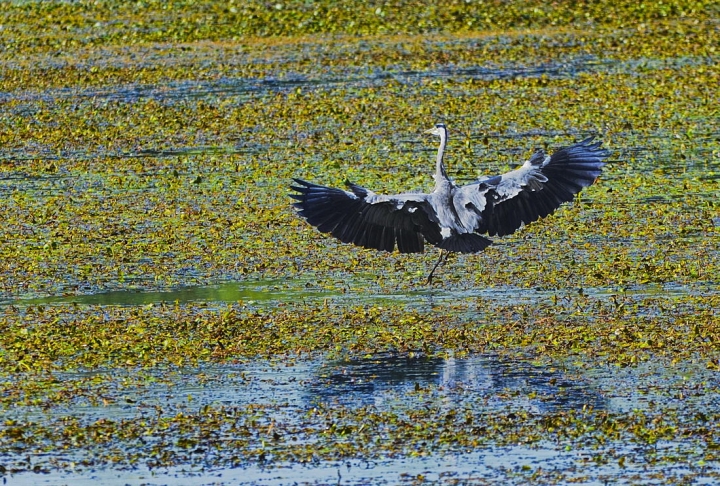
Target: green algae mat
166, 317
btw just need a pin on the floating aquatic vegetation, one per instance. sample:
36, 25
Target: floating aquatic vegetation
146, 149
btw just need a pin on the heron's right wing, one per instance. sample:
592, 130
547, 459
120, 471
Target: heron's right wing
367, 219
536, 189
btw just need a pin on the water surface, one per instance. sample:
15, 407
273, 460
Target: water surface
381, 383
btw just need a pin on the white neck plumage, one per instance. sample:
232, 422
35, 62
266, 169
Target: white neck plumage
440, 174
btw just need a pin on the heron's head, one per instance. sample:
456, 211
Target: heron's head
438, 130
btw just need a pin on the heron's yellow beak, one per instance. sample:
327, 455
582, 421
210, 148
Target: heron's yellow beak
430, 131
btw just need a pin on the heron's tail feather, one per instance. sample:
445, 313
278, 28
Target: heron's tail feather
465, 243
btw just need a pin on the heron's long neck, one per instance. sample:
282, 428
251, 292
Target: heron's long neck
440, 174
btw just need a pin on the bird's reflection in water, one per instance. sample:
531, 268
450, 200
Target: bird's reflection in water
485, 380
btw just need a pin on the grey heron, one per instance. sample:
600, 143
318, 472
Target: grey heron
452, 217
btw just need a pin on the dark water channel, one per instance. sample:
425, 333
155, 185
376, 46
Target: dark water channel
377, 380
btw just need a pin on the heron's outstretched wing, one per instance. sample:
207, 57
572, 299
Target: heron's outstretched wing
536, 189
368, 219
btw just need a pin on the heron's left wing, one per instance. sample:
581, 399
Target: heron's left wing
536, 189
367, 219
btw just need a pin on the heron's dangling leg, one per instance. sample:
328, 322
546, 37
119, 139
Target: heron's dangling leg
443, 253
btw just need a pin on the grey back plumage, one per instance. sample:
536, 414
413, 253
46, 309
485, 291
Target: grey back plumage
452, 217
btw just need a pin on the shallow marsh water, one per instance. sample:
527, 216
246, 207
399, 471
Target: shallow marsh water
486, 385
167, 319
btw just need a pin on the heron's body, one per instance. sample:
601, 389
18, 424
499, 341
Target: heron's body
452, 217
